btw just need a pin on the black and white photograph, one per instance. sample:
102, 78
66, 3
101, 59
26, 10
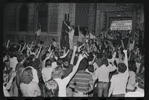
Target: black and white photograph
73, 50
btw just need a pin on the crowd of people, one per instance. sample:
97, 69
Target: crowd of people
93, 67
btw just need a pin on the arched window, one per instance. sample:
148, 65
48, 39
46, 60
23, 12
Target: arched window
23, 18
42, 11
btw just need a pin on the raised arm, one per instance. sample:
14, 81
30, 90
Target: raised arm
23, 47
126, 59
73, 55
65, 54
93, 59
75, 68
39, 52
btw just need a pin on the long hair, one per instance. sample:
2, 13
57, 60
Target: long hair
51, 88
27, 76
57, 72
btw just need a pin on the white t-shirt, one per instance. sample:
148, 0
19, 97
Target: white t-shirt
13, 62
119, 81
134, 94
28, 90
62, 83
131, 80
46, 73
102, 73
6, 93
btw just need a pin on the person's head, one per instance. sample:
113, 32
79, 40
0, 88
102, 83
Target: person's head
104, 61
83, 64
48, 63
122, 67
27, 75
65, 63
28, 62
13, 54
90, 68
57, 72
51, 88
21, 57
31, 57
109, 55
132, 67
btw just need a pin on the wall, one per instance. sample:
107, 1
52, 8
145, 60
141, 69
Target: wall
96, 19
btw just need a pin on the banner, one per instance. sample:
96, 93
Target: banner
121, 25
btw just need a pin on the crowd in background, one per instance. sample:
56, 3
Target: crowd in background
95, 66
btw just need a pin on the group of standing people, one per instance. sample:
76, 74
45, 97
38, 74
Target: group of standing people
93, 67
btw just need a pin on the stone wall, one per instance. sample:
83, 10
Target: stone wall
96, 21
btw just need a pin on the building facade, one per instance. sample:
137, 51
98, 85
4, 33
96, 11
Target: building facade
21, 20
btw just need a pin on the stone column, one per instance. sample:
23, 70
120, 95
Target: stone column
92, 18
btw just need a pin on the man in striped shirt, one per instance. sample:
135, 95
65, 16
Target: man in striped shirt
82, 82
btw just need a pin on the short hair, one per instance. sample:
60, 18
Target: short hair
14, 54
48, 62
83, 64
57, 72
104, 61
51, 88
20, 57
109, 55
122, 67
90, 68
27, 75
31, 57
28, 62
64, 63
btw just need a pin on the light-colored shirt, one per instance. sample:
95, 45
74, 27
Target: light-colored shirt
35, 76
6, 93
134, 94
131, 80
13, 62
46, 73
102, 73
28, 90
62, 83
119, 81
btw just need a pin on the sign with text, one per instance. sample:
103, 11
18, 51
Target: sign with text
121, 25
